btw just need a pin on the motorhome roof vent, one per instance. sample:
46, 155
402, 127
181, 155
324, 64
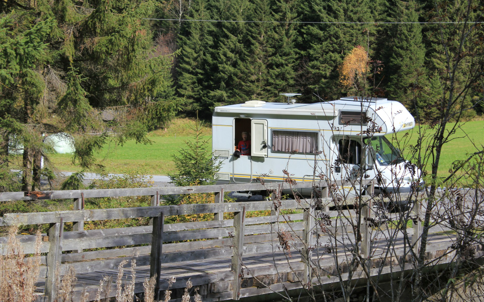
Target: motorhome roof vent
253, 103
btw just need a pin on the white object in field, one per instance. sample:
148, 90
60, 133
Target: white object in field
62, 143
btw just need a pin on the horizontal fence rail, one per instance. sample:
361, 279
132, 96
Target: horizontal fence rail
100, 193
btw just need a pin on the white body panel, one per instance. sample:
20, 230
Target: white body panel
332, 123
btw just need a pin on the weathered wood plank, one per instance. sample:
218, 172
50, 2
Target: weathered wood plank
239, 225
129, 236
156, 252
103, 240
79, 204
365, 231
219, 198
101, 193
54, 260
308, 241
107, 214
11, 196
167, 247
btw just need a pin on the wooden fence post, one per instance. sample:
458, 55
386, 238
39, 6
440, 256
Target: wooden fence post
54, 260
155, 200
219, 198
239, 226
324, 197
417, 226
365, 230
308, 245
156, 252
370, 190
79, 225
277, 195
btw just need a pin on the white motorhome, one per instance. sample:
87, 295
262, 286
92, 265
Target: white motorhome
329, 140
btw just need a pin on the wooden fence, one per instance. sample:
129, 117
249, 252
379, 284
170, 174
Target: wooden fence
161, 243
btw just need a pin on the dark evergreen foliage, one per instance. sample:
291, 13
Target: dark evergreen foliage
63, 62
406, 72
232, 62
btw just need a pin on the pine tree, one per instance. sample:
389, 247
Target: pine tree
229, 54
24, 52
195, 41
324, 46
260, 50
195, 165
406, 69
455, 57
63, 62
282, 64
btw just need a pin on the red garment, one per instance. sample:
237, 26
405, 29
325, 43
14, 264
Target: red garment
244, 147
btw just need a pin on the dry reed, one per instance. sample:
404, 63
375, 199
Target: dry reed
67, 285
197, 297
127, 293
186, 294
18, 275
168, 291
104, 287
149, 286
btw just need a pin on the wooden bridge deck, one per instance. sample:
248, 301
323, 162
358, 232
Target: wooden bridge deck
263, 273
226, 259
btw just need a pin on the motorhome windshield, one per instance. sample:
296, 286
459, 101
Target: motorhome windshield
384, 152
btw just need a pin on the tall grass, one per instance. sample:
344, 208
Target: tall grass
18, 273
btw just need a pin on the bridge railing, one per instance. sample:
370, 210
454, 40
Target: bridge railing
95, 250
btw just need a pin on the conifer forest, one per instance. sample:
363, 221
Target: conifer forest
64, 61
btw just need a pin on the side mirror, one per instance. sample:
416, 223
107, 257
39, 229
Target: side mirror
236, 154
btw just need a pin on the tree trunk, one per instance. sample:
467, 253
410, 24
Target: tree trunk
4, 150
27, 174
37, 167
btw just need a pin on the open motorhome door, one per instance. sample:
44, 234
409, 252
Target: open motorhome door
259, 138
350, 157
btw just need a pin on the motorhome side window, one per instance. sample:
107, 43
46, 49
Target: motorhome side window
350, 151
294, 142
353, 118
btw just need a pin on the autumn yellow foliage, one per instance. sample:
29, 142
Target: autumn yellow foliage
354, 67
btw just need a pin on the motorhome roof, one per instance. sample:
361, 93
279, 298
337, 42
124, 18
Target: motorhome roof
329, 108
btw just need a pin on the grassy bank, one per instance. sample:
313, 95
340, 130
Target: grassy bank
156, 158
466, 140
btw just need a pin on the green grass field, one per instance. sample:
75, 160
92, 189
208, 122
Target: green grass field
157, 157
467, 139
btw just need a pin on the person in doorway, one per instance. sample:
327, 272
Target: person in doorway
244, 145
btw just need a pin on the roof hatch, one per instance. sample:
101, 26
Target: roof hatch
253, 103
